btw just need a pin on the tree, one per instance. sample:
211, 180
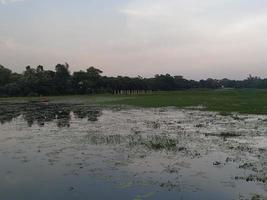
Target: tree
39, 69
62, 78
94, 73
5, 75
89, 81
38, 81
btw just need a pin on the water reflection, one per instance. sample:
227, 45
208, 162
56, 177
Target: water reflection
132, 154
41, 113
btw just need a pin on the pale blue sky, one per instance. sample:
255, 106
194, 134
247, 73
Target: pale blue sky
194, 38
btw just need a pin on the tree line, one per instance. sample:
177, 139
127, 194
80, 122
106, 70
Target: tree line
38, 81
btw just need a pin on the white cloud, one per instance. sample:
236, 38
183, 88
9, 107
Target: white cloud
9, 43
186, 37
9, 1
191, 20
193, 34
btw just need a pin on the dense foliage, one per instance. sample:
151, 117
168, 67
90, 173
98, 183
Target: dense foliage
38, 81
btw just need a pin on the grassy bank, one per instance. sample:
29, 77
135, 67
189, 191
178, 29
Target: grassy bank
243, 101
225, 101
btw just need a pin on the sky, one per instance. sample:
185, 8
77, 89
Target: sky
194, 38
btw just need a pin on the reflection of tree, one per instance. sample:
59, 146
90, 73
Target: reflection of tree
8, 112
40, 113
90, 114
63, 117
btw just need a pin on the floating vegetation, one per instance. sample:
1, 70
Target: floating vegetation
252, 178
224, 134
144, 196
258, 197
125, 185
161, 143
150, 152
224, 113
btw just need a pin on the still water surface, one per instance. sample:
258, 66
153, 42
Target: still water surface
66, 151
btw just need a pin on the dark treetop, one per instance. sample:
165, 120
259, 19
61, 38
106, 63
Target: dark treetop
37, 81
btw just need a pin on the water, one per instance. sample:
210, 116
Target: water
67, 151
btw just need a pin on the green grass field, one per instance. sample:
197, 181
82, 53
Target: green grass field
225, 101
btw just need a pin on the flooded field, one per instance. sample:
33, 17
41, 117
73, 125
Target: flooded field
67, 151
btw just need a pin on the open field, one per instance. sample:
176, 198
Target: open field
225, 101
